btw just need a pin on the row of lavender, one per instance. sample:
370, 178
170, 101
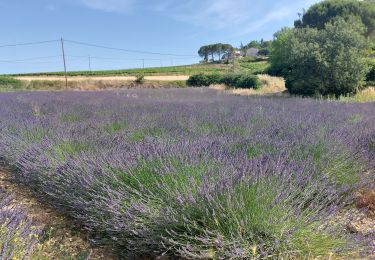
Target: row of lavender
17, 234
192, 172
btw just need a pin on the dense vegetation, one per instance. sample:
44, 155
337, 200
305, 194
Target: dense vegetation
212, 50
7, 82
263, 46
321, 13
230, 79
194, 173
327, 62
326, 53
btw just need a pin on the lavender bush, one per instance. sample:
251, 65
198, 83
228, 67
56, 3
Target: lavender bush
17, 234
194, 173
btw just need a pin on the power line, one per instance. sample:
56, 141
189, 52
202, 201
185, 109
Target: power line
127, 50
124, 59
25, 62
35, 58
27, 43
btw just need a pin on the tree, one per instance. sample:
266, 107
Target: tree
218, 50
330, 61
214, 49
321, 13
203, 52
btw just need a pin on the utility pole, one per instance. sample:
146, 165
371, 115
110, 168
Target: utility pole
63, 52
90, 63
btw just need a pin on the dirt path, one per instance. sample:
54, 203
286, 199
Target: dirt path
62, 238
111, 78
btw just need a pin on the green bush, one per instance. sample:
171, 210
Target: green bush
329, 61
230, 79
10, 83
247, 81
201, 80
370, 77
140, 79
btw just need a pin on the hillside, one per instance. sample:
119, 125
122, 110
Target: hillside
250, 67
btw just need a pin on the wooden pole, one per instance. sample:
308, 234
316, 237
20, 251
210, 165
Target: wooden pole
90, 63
63, 52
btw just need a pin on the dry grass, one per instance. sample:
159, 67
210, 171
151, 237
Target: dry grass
97, 84
367, 95
270, 86
366, 199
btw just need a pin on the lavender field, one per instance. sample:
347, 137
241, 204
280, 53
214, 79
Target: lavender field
195, 173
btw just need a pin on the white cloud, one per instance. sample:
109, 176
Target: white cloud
240, 16
272, 16
110, 5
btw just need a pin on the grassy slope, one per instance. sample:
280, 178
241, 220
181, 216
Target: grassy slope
256, 67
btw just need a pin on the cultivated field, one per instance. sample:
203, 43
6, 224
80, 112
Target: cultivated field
250, 67
193, 173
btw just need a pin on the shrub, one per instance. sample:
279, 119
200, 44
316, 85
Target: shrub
200, 80
370, 77
140, 79
247, 81
247, 59
326, 62
230, 79
10, 83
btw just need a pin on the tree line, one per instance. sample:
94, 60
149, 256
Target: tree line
218, 50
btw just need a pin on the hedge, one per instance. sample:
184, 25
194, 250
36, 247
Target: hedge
230, 79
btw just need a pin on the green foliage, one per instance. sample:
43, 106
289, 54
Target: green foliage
230, 79
140, 79
157, 71
265, 45
326, 11
253, 67
218, 49
10, 83
326, 62
70, 148
200, 80
115, 127
370, 77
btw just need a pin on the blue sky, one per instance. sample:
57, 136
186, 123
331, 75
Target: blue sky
164, 26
